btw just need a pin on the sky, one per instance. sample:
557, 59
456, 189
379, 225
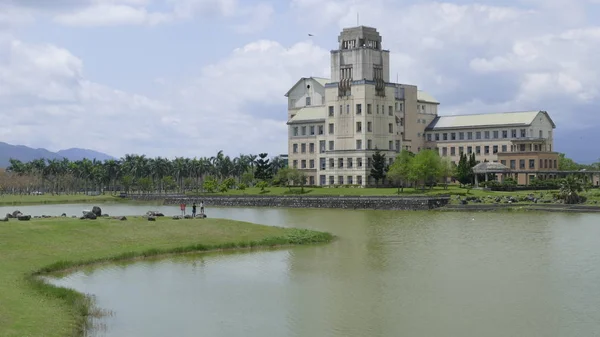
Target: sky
192, 77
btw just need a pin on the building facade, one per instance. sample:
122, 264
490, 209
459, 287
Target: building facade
335, 125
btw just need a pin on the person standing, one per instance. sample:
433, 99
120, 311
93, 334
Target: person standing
194, 210
201, 207
182, 207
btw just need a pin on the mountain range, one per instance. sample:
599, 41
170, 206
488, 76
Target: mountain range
26, 154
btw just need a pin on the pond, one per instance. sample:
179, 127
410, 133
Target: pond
390, 273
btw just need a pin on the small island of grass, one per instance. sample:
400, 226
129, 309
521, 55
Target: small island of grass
30, 307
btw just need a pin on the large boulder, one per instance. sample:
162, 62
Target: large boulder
154, 213
89, 215
16, 214
24, 217
97, 211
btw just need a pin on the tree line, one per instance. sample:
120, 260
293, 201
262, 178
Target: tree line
137, 173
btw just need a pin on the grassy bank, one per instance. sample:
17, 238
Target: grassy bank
452, 190
10, 200
29, 307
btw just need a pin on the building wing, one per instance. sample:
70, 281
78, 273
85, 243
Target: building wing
312, 114
522, 118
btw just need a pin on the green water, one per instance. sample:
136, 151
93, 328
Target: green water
389, 274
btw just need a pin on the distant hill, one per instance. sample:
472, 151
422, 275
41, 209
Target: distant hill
26, 154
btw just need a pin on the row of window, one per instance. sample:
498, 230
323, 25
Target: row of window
348, 163
340, 181
443, 151
310, 130
543, 164
485, 134
302, 147
358, 109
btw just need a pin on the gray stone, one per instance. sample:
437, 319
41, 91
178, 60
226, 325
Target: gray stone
16, 214
151, 218
187, 216
89, 215
5, 219
97, 211
24, 217
64, 215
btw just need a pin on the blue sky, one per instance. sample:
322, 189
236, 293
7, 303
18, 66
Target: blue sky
191, 77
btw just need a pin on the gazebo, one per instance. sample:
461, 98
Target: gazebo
489, 167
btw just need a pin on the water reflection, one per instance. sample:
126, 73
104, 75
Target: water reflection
389, 274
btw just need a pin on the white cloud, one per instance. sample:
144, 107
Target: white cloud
112, 15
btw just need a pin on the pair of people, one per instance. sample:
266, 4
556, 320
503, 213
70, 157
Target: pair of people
194, 208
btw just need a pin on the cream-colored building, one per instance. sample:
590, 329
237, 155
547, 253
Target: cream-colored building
335, 125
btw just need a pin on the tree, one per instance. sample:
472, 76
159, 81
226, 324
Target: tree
447, 170
283, 177
399, 172
298, 178
567, 164
263, 168
378, 166
570, 187
463, 170
426, 167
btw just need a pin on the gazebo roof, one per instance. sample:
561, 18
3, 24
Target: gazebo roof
489, 167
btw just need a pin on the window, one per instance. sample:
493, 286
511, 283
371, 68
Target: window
347, 108
503, 162
331, 145
504, 134
331, 180
478, 135
331, 163
369, 128
522, 147
477, 150
523, 133
486, 135
303, 148
541, 134
321, 146
320, 129
331, 111
390, 110
453, 151
377, 108
461, 150
359, 180
532, 163
369, 110
437, 137
513, 133
445, 136
541, 163
401, 121
303, 130
522, 164
461, 136
486, 150
391, 128
359, 162
429, 137
341, 162
295, 148
495, 149
331, 128
495, 134
322, 163
453, 136
369, 144
311, 147
397, 146
295, 164
555, 166
349, 180
359, 144
469, 149
311, 181
358, 109
444, 151
358, 126
369, 162
341, 111
308, 100
391, 145
312, 130
504, 148
349, 160
295, 131
303, 164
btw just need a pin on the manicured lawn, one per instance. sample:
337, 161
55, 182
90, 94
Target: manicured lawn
29, 307
8, 200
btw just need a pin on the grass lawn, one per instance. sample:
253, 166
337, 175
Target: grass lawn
8, 200
29, 307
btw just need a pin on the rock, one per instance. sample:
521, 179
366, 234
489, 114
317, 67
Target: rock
151, 218
498, 199
154, 213
89, 215
97, 211
64, 215
16, 214
122, 218
9, 215
176, 217
74, 216
5, 219
187, 216
201, 216
37, 217
464, 202
24, 217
